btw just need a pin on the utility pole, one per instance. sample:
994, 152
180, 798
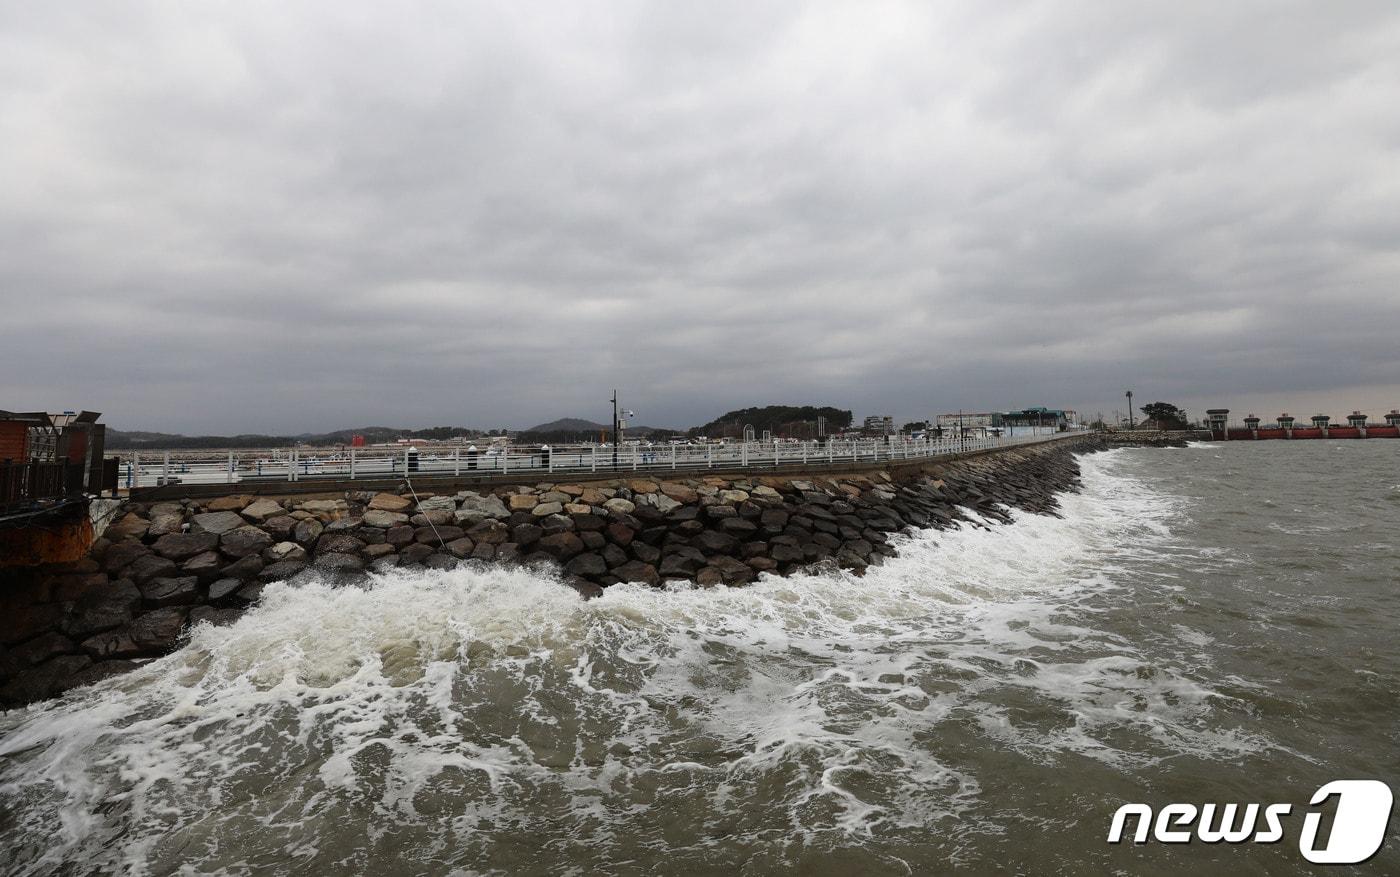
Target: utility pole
1130, 411
614, 427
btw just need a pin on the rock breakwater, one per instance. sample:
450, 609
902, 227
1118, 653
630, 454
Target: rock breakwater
164, 566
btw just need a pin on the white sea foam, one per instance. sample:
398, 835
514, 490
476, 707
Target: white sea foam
464, 707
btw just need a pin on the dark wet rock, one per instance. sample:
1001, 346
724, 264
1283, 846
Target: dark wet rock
442, 561
636, 571
102, 670
490, 532
45, 680
280, 571
589, 564
204, 567
178, 591
308, 531
223, 589
336, 562
111, 644
216, 617
526, 535
462, 547
714, 542
182, 546
613, 555
561, 546
246, 568
151, 566
104, 609
416, 554
157, 630
121, 554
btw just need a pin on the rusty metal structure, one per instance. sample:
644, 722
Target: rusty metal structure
48, 461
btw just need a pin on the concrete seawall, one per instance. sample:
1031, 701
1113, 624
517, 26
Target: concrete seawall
164, 565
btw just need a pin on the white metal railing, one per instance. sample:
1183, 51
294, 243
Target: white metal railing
154, 468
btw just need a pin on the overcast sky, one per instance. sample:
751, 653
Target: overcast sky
298, 217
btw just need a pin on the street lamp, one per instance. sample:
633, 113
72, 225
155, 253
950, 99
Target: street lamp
1130, 411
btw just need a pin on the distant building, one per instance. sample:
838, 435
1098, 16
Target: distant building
1039, 418
969, 420
879, 424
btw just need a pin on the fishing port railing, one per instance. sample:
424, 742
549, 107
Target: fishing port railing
154, 469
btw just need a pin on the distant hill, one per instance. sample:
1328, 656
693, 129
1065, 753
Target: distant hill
797, 421
136, 439
568, 424
574, 429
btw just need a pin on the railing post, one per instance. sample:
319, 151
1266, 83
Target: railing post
744, 454
674, 450
635, 448
505, 460
165, 469
709, 456
230, 467
594, 466
550, 460
457, 460
291, 464
135, 471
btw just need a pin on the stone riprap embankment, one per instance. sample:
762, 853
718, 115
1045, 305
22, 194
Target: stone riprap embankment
162, 567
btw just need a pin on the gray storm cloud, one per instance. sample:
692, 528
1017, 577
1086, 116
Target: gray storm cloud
281, 218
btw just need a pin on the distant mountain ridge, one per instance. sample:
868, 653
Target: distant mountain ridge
579, 425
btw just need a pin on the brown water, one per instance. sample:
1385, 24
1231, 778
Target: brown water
1210, 624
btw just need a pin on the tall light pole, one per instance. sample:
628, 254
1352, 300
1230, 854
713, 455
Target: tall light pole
1130, 411
614, 427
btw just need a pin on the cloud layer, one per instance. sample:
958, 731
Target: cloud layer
285, 218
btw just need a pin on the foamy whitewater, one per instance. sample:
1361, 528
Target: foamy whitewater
982, 702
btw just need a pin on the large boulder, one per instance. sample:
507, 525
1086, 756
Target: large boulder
116, 643
103, 609
217, 523
383, 519
283, 551
522, 502
437, 504
590, 564
143, 569
636, 571
262, 510
229, 503
158, 629
338, 543
120, 555
561, 546
325, 509
679, 492
475, 509
178, 591
131, 526
389, 502
620, 506
489, 532
545, 509
180, 546
308, 531
204, 566
243, 541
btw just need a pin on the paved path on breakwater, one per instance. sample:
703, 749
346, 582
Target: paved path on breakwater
160, 477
